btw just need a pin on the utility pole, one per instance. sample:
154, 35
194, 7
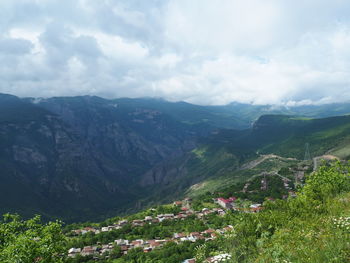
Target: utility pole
307, 155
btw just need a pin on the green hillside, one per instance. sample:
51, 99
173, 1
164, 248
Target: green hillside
218, 160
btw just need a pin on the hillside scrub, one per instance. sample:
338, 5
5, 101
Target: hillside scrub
313, 227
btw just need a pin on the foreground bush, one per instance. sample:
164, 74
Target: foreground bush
30, 241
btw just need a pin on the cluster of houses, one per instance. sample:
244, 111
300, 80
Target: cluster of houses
96, 230
149, 245
151, 220
226, 204
146, 245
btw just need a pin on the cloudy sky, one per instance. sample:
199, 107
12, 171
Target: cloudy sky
200, 51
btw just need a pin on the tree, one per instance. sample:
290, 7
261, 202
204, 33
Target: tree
327, 182
30, 241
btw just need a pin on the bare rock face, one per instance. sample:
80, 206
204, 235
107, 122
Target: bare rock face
28, 155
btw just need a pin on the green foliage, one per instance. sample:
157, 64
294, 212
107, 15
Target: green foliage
30, 241
327, 182
309, 228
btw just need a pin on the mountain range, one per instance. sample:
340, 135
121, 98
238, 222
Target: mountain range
80, 158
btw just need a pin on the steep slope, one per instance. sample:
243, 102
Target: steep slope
81, 157
219, 158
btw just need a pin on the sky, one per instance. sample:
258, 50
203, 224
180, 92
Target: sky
208, 52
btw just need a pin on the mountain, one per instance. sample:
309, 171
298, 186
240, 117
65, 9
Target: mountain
220, 159
79, 158
250, 113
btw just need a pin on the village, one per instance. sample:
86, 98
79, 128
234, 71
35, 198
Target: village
103, 250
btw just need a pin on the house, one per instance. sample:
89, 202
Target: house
105, 229
72, 252
137, 243
221, 212
224, 203
88, 229
122, 222
161, 241
188, 238
153, 244
191, 260
219, 258
147, 249
179, 235
106, 248
169, 216
162, 217
177, 203
121, 242
196, 235
148, 218
209, 231
89, 250
137, 223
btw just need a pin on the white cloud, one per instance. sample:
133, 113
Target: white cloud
115, 47
201, 51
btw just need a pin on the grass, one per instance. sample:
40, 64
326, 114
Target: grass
311, 240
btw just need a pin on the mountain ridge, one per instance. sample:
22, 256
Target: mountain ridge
79, 157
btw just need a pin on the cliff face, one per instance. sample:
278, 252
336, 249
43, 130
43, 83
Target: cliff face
78, 157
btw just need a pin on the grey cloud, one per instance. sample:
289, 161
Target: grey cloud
199, 51
15, 46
